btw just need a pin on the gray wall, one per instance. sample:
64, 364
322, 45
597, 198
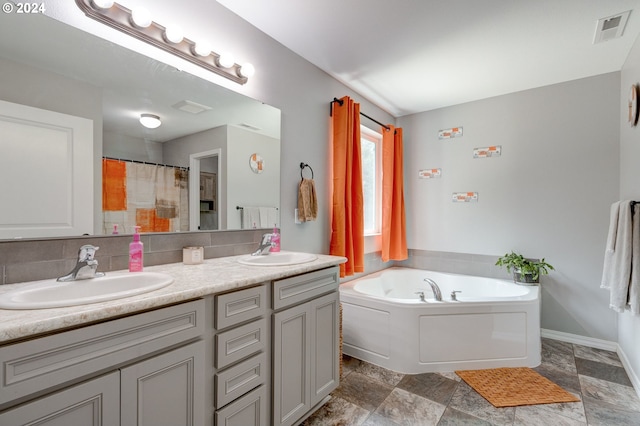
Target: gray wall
548, 195
628, 325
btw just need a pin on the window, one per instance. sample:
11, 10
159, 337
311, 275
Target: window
371, 151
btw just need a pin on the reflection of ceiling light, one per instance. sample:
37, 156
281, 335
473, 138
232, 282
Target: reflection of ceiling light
150, 121
191, 107
141, 17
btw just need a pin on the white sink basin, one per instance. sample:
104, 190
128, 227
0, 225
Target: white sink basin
53, 294
282, 258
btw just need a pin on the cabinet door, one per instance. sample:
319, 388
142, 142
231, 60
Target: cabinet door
166, 390
291, 364
92, 403
325, 346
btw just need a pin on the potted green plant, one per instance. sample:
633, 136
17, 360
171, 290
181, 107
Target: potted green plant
526, 271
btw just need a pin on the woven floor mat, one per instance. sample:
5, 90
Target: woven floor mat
510, 387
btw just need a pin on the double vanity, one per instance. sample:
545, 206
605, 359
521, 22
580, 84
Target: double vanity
226, 343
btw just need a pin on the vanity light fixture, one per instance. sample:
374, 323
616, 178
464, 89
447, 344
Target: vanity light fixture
139, 24
141, 17
225, 60
173, 34
102, 4
150, 121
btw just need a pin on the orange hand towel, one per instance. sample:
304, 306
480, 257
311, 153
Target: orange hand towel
307, 201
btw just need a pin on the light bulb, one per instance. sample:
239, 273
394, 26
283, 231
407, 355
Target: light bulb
202, 48
173, 34
150, 121
102, 4
226, 60
141, 17
247, 70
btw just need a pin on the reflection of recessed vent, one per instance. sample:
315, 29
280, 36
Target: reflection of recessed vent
610, 27
191, 107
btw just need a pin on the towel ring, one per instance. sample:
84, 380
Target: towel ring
302, 167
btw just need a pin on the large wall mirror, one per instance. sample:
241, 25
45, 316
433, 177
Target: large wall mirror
210, 136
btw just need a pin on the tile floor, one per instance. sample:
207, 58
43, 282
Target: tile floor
372, 396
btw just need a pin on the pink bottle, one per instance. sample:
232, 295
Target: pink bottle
136, 252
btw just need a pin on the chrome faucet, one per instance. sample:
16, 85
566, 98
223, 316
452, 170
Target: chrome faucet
434, 287
86, 266
265, 245
421, 294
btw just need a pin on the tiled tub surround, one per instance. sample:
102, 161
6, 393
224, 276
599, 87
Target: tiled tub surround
372, 396
190, 282
479, 265
32, 260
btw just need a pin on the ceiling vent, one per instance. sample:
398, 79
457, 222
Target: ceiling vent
610, 27
191, 107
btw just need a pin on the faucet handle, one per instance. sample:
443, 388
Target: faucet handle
266, 238
87, 252
454, 297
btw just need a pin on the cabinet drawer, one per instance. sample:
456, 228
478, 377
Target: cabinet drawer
250, 410
36, 365
240, 342
294, 290
240, 306
240, 379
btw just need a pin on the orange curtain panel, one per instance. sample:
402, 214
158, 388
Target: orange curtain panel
114, 185
347, 208
394, 234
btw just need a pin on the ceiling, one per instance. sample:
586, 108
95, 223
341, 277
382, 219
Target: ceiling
409, 56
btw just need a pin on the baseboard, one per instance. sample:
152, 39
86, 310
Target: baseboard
579, 340
599, 344
635, 380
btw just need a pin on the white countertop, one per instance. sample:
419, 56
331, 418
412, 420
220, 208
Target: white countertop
190, 282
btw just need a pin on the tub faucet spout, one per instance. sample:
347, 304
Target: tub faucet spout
434, 287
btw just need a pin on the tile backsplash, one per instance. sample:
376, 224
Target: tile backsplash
31, 260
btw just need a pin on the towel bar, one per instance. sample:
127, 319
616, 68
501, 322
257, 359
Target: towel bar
302, 167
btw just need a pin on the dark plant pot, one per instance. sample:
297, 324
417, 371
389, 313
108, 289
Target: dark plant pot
525, 279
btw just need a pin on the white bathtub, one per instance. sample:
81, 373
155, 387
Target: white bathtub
494, 323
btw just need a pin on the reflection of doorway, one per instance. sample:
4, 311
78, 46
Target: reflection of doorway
205, 209
208, 193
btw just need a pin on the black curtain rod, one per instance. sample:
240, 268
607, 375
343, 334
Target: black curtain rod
145, 162
340, 101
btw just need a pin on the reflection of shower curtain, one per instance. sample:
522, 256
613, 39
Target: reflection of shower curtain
155, 197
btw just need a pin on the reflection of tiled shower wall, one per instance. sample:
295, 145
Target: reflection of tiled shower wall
457, 263
22, 261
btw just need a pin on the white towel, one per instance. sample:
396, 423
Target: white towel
634, 286
608, 268
268, 217
250, 217
617, 263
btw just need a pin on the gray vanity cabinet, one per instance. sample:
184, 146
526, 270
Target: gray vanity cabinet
305, 344
164, 390
134, 371
92, 403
